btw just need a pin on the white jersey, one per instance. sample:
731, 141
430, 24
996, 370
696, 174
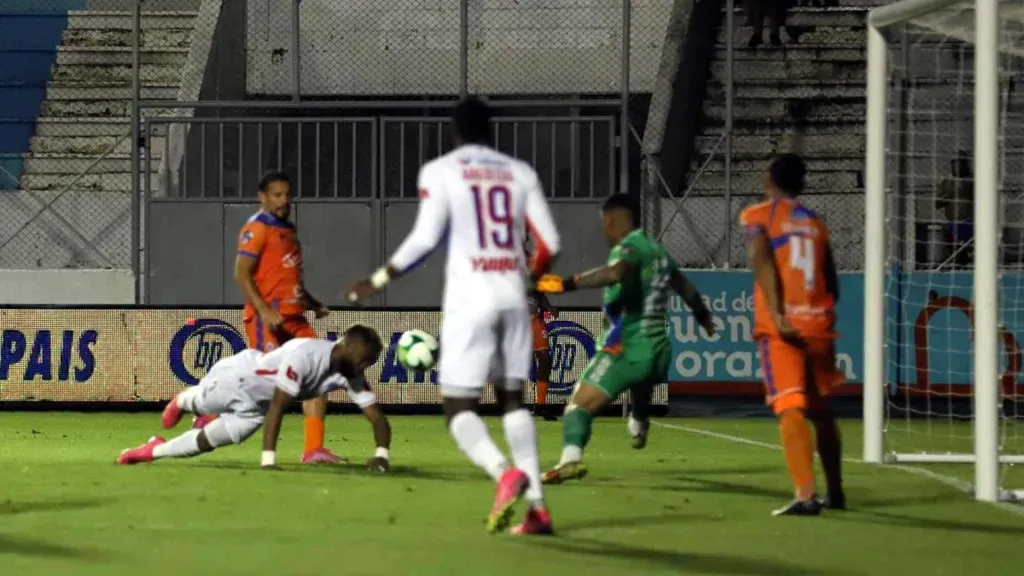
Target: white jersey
484, 200
301, 368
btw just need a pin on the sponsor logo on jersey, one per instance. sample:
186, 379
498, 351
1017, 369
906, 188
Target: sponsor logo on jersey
197, 346
246, 237
495, 264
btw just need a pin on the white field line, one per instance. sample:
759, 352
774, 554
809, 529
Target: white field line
950, 481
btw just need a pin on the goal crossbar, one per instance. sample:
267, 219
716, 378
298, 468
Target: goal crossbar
985, 37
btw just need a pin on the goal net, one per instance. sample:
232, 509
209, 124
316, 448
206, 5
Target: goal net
944, 267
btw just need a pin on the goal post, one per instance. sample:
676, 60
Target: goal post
940, 79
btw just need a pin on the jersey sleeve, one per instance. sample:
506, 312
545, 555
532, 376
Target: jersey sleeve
431, 223
252, 239
629, 250
753, 224
541, 224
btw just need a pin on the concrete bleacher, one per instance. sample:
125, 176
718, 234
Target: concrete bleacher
30, 33
87, 106
67, 112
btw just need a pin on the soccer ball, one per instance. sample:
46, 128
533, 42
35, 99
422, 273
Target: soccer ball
417, 350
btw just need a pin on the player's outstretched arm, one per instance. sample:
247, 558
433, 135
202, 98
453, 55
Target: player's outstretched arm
381, 460
689, 293
272, 427
594, 278
427, 232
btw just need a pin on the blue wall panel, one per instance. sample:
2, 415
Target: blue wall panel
30, 32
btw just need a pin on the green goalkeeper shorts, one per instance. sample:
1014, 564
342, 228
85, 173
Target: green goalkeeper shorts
641, 364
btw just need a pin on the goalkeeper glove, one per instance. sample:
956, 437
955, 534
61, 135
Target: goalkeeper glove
553, 284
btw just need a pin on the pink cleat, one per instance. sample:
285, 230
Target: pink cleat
200, 422
537, 522
511, 487
322, 456
172, 414
141, 454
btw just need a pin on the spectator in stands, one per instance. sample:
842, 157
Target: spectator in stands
954, 197
776, 10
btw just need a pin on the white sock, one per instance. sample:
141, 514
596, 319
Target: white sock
636, 427
188, 399
184, 446
571, 454
470, 433
521, 435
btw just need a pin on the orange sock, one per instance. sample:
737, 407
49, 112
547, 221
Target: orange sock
313, 427
796, 446
542, 392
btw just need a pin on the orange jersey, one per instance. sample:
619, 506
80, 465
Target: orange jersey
799, 243
278, 275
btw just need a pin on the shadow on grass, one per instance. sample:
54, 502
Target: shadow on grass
351, 468
733, 471
689, 562
904, 520
26, 547
10, 507
633, 522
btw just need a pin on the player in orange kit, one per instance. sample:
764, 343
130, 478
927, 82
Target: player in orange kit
268, 268
795, 293
540, 311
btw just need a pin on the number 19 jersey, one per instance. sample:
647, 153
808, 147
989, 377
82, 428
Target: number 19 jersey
484, 200
799, 241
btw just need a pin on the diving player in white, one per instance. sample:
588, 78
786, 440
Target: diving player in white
251, 388
485, 200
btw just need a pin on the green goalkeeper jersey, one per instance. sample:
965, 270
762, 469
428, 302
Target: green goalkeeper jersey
636, 308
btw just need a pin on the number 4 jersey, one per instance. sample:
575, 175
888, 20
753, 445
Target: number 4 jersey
484, 201
799, 243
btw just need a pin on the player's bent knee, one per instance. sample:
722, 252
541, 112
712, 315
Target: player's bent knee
791, 401
588, 397
228, 430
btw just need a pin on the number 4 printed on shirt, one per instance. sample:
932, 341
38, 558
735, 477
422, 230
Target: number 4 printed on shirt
801, 257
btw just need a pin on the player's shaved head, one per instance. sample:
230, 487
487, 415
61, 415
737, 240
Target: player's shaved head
620, 215
472, 118
360, 347
787, 174
624, 203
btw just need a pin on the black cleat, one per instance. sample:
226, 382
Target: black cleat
810, 507
834, 501
547, 412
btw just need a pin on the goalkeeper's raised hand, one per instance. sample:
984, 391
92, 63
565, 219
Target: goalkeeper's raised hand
553, 284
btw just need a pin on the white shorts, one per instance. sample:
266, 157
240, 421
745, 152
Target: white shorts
477, 347
221, 394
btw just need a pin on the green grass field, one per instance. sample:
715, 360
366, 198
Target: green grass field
689, 503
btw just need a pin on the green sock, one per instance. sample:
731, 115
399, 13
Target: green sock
576, 427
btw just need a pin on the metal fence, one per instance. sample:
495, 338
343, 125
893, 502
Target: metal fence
165, 100
130, 100
805, 96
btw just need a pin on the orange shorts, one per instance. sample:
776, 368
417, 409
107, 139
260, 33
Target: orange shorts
263, 339
797, 377
540, 334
